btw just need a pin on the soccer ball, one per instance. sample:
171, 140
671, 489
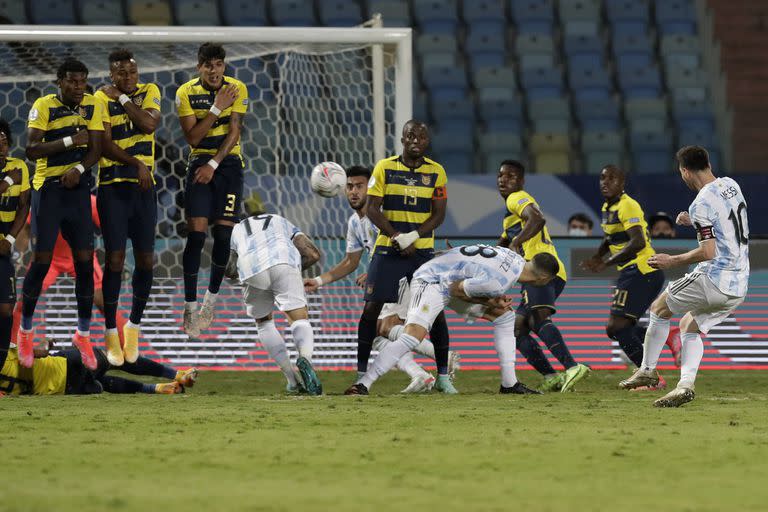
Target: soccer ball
328, 179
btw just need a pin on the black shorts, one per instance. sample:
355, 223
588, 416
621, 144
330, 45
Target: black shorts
635, 292
534, 297
7, 281
220, 199
385, 271
56, 208
81, 380
127, 212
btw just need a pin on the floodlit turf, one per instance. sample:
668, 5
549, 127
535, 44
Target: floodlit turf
236, 443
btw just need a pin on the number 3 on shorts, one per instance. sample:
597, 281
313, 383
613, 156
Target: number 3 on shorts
231, 198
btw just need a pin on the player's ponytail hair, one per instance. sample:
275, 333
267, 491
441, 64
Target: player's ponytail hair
546, 264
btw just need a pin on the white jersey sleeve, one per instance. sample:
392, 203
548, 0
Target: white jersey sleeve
262, 242
719, 213
361, 234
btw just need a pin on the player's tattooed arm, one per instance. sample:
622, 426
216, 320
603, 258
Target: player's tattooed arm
534, 222
231, 269
310, 254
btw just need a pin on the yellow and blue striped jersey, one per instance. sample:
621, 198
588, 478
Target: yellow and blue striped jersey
407, 195
57, 120
192, 99
617, 219
513, 224
127, 136
9, 200
48, 376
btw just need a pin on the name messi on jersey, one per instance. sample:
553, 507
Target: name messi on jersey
729, 193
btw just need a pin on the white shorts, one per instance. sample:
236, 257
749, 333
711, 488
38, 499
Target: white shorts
399, 308
427, 301
280, 286
695, 293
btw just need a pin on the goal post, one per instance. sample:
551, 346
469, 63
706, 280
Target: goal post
316, 94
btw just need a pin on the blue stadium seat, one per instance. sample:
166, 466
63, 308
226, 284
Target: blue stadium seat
293, 13
495, 147
693, 115
485, 38
679, 76
500, 109
682, 47
652, 153
589, 78
445, 82
533, 16
676, 16
149, 12
581, 28
627, 11
340, 13
595, 161
440, 59
14, 10
689, 94
572, 10
436, 43
598, 115
600, 149
452, 110
453, 145
639, 81
52, 12
487, 60
550, 108
98, 12
645, 108
542, 82
502, 77
631, 44
437, 16
536, 61
474, 11
534, 44
396, 13
196, 12
420, 103
705, 138
244, 13
583, 45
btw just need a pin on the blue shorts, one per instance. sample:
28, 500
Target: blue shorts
7, 281
540, 296
127, 212
220, 199
56, 208
385, 271
635, 292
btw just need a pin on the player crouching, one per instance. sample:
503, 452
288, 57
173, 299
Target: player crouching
267, 255
460, 279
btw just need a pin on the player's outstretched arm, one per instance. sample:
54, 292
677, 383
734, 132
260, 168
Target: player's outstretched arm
704, 252
310, 254
341, 270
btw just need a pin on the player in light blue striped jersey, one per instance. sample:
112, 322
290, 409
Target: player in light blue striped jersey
472, 280
267, 256
715, 288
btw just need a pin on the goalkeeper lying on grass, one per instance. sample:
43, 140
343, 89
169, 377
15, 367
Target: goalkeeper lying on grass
63, 373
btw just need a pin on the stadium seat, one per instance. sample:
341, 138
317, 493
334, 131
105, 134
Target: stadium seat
703, 138
595, 161
500, 109
534, 44
676, 16
581, 28
627, 11
436, 16
449, 59
100, 12
581, 10
684, 45
478, 11
550, 115
340, 13
551, 159
536, 61
533, 16
395, 13
445, 82
499, 146
640, 81
420, 102
652, 152
645, 108
436, 43
14, 11
149, 12
542, 82
494, 77
689, 93
485, 38
679, 76
452, 110
589, 78
598, 115
244, 13
631, 44
601, 141
293, 13
196, 12
52, 12
591, 45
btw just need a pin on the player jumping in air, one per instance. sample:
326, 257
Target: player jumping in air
407, 199
361, 235
210, 110
64, 139
126, 196
460, 279
526, 233
626, 245
14, 206
268, 255
715, 288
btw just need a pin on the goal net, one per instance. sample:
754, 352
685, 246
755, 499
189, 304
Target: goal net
315, 95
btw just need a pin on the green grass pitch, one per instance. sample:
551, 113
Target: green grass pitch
236, 443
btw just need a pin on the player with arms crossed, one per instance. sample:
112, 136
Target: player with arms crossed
126, 196
14, 206
626, 245
210, 108
361, 235
470, 280
64, 139
526, 233
715, 288
268, 254
407, 199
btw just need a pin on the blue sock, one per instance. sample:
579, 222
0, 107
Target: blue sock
193, 252
26, 323
219, 256
84, 293
33, 283
550, 335
169, 373
148, 388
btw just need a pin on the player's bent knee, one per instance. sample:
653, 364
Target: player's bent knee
415, 330
297, 314
144, 260
615, 325
660, 308
371, 311
115, 261
688, 324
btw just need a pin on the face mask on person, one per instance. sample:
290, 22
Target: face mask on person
577, 232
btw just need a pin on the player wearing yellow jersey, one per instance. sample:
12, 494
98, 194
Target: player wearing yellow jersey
14, 207
407, 199
525, 231
210, 110
626, 245
126, 195
64, 139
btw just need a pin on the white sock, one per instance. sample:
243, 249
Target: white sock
406, 363
388, 358
275, 344
132, 325
111, 331
426, 349
395, 332
505, 343
304, 338
655, 337
692, 352
84, 334
190, 306
210, 297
